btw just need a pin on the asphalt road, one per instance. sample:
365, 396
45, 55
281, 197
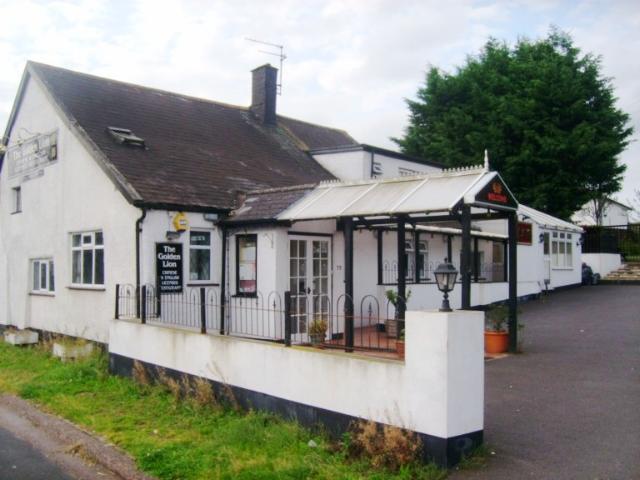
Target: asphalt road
20, 461
569, 407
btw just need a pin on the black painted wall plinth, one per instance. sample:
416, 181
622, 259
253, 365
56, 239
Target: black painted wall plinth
445, 452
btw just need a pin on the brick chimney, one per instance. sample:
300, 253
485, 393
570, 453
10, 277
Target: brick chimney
264, 85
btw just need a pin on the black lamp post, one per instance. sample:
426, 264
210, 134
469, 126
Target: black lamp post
446, 279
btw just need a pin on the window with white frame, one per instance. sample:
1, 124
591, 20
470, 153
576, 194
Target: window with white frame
199, 256
422, 260
246, 265
410, 257
416, 260
87, 258
561, 250
42, 275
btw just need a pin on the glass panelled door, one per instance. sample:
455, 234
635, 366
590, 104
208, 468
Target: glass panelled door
309, 282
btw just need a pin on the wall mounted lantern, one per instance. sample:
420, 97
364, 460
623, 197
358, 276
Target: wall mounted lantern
541, 238
446, 275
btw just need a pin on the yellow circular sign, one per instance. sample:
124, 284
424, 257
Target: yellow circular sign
180, 222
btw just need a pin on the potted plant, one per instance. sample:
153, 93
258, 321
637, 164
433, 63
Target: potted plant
318, 331
391, 324
496, 335
400, 344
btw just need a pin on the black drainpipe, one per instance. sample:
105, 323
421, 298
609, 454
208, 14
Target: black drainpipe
138, 231
223, 278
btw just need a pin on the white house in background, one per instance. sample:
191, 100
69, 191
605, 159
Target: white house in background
108, 184
614, 213
603, 254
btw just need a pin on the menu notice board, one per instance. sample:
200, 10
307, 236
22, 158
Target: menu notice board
169, 267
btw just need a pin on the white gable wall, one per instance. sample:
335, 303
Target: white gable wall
395, 167
357, 165
345, 165
72, 195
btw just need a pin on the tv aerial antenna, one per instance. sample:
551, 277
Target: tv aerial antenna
280, 54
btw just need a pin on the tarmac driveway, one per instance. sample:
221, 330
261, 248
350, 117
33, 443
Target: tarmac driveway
569, 407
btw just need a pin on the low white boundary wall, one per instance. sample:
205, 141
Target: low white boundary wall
437, 391
602, 263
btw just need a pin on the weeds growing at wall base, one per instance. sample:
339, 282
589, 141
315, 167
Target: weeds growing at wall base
179, 430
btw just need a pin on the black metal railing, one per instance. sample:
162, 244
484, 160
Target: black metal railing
291, 318
486, 273
622, 239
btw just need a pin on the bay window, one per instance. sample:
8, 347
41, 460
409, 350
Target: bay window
87, 258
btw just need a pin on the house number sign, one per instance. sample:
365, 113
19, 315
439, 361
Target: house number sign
169, 267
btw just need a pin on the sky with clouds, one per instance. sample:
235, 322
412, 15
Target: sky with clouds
350, 64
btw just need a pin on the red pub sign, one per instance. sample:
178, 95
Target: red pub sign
496, 193
525, 233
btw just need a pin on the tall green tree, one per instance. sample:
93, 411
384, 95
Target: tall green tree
544, 111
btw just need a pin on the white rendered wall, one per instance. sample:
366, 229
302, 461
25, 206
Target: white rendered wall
154, 230
72, 195
346, 165
357, 165
616, 215
394, 167
602, 263
438, 390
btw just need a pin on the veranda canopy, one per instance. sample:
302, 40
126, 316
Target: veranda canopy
441, 192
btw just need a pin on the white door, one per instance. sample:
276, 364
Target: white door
309, 283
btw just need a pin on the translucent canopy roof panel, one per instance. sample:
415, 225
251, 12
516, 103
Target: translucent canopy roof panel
326, 201
384, 197
438, 194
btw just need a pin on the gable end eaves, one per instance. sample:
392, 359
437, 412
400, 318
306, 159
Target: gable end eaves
121, 183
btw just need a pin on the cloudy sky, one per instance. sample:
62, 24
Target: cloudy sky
349, 64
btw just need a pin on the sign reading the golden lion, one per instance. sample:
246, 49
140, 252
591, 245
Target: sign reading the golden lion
496, 193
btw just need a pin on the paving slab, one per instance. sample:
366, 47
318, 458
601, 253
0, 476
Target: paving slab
569, 406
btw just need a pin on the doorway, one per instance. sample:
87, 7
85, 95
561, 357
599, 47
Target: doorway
309, 283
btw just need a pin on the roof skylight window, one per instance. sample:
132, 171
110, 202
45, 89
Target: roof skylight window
126, 137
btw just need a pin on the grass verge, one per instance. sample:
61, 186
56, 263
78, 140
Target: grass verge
173, 439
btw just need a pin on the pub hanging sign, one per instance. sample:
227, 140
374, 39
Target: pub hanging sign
496, 193
169, 267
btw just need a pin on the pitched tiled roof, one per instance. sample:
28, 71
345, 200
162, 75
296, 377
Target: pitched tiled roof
315, 136
199, 153
266, 205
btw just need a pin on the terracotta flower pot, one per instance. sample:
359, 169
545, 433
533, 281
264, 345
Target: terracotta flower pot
496, 342
400, 348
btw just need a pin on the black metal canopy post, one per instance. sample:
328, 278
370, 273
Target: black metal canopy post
465, 262
513, 282
223, 279
380, 278
348, 283
476, 260
402, 275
